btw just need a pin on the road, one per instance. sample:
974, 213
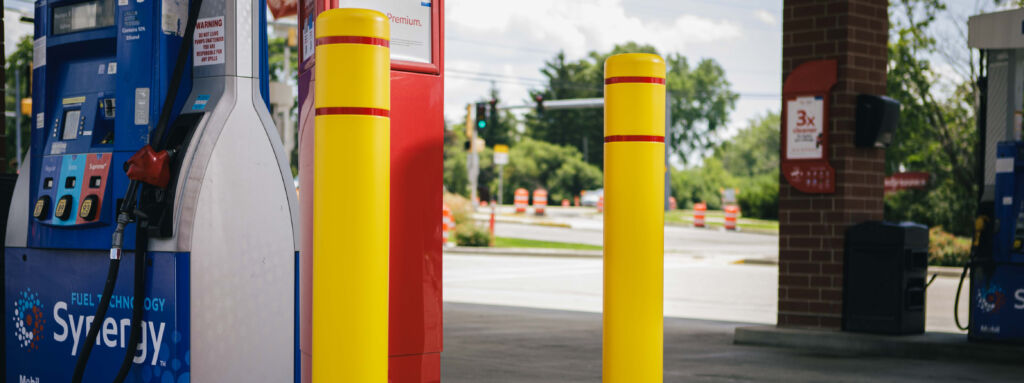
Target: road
694, 242
499, 344
696, 287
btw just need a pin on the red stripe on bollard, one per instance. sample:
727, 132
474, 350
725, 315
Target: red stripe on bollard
634, 138
634, 79
353, 40
336, 110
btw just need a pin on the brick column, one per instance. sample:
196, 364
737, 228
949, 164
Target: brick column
812, 226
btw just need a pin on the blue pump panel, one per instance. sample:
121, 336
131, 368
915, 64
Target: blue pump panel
997, 303
52, 297
102, 71
1009, 203
997, 285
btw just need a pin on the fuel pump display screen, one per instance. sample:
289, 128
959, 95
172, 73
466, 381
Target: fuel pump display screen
83, 16
70, 128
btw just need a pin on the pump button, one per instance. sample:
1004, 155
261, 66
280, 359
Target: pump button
48, 183
89, 207
63, 209
95, 182
42, 207
69, 182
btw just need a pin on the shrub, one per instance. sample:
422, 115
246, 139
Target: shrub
945, 249
462, 208
471, 234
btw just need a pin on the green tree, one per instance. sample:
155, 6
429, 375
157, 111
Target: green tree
700, 98
937, 132
456, 177
18, 63
559, 169
276, 49
748, 161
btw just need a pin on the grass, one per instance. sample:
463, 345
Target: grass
685, 217
517, 242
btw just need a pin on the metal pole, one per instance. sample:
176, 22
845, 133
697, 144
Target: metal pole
471, 159
352, 173
634, 137
501, 183
17, 115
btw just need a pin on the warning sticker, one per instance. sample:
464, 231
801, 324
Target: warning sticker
208, 43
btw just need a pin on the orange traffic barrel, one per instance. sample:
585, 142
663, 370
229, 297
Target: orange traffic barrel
447, 224
565, 202
731, 213
540, 201
672, 203
576, 201
521, 200
699, 210
600, 204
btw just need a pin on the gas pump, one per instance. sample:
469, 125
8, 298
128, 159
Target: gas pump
997, 256
152, 147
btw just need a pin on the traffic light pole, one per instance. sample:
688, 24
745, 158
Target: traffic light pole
472, 163
17, 115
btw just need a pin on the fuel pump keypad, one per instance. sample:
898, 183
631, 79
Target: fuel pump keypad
42, 207
63, 209
74, 185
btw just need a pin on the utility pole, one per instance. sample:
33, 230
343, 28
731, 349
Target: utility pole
472, 160
17, 115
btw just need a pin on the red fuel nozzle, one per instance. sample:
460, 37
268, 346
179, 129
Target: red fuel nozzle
149, 166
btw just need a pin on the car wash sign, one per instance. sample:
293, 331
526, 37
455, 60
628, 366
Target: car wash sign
50, 302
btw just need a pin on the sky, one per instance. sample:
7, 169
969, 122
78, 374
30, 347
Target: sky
508, 42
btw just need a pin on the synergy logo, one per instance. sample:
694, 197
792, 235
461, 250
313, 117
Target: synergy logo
990, 299
28, 320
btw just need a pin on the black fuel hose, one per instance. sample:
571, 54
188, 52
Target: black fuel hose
141, 247
127, 213
956, 300
94, 328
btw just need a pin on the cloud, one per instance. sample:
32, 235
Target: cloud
581, 26
766, 17
514, 38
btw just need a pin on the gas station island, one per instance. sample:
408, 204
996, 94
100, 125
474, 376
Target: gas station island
155, 233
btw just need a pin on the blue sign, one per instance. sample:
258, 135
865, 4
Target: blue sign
51, 298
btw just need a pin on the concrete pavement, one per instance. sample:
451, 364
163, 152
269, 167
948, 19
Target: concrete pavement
695, 287
500, 344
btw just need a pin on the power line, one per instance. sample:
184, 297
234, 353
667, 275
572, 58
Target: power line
487, 74
492, 44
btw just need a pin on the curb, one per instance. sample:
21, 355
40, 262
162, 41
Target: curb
942, 271
925, 346
524, 251
500, 219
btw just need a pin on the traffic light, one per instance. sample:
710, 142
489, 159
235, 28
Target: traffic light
539, 99
492, 119
481, 115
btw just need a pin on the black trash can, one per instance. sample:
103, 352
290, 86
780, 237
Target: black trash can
885, 266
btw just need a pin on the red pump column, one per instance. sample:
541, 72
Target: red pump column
417, 141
